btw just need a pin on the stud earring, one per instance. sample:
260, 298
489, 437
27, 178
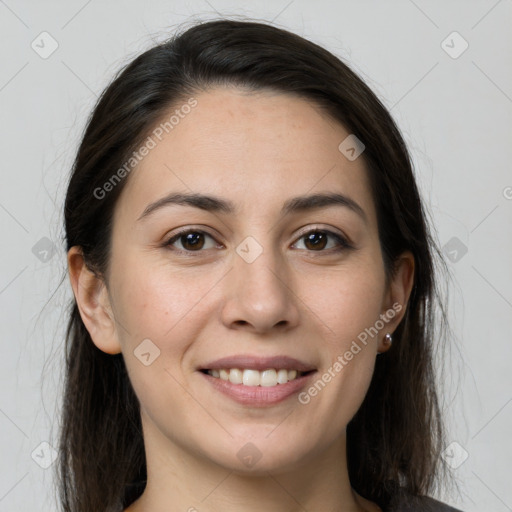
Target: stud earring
387, 342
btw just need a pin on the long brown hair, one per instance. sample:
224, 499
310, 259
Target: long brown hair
395, 439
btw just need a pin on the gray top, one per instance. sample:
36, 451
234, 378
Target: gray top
421, 504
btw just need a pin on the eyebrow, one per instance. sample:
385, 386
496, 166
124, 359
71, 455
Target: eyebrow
292, 205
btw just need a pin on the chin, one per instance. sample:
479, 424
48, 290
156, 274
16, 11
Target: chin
257, 455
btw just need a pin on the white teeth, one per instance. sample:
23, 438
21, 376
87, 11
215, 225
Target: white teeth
249, 377
269, 378
235, 376
282, 376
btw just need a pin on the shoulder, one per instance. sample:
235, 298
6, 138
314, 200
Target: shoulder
420, 504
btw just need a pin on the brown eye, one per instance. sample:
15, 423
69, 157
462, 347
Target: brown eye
190, 241
317, 241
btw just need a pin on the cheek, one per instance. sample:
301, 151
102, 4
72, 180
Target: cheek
169, 308
162, 306
156, 300
347, 306
347, 302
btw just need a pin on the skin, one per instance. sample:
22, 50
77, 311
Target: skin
257, 149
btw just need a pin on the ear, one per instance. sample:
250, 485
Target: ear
93, 302
397, 295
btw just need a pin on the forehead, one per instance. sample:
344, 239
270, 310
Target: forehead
254, 148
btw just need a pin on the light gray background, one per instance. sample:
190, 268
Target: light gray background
455, 114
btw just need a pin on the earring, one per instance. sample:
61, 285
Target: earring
387, 341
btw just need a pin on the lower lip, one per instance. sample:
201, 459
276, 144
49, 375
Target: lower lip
258, 396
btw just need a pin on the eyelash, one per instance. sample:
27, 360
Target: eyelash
343, 244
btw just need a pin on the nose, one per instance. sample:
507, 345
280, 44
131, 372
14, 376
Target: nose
260, 295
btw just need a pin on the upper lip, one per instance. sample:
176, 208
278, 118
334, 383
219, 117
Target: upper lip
258, 363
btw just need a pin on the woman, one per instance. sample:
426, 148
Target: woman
254, 288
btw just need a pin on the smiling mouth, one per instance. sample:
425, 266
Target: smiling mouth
253, 378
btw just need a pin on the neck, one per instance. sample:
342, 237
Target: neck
193, 483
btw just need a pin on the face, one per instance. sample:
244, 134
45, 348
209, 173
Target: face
253, 279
